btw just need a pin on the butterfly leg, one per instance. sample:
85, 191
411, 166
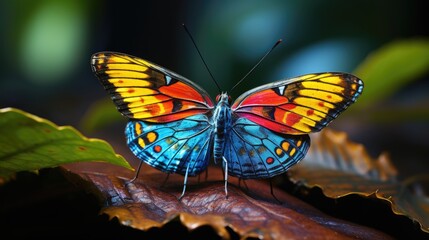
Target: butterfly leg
226, 177
185, 182
165, 180
244, 183
206, 175
137, 173
272, 192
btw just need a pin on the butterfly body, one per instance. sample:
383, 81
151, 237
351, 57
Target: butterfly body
222, 120
175, 127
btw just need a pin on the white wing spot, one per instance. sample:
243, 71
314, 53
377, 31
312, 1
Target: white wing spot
281, 90
167, 80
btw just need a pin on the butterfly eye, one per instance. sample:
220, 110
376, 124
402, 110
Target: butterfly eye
217, 98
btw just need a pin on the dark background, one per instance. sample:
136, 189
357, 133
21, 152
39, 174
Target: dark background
46, 47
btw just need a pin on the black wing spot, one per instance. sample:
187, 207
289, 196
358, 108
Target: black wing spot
269, 112
169, 80
177, 105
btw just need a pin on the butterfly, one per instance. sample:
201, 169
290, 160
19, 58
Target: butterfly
175, 127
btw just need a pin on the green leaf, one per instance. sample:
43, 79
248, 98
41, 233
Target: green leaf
391, 67
28, 143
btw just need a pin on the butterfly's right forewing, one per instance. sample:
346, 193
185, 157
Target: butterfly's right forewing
145, 91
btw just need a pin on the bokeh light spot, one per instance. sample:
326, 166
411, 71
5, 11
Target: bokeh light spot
51, 41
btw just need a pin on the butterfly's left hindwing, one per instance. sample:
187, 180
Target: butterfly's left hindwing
254, 151
143, 90
299, 105
172, 147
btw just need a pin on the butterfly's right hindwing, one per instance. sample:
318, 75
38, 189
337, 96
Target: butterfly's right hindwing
171, 147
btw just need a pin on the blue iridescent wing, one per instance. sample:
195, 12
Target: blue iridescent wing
172, 147
253, 151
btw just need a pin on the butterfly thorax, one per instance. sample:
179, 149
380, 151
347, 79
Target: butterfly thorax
222, 123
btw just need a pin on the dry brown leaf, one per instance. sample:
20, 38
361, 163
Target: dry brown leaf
341, 167
250, 212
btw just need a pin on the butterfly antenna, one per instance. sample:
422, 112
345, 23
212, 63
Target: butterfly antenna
201, 56
257, 64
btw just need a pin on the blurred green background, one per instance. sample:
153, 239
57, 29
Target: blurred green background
46, 48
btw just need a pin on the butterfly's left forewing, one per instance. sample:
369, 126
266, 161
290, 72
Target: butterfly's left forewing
299, 105
143, 90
